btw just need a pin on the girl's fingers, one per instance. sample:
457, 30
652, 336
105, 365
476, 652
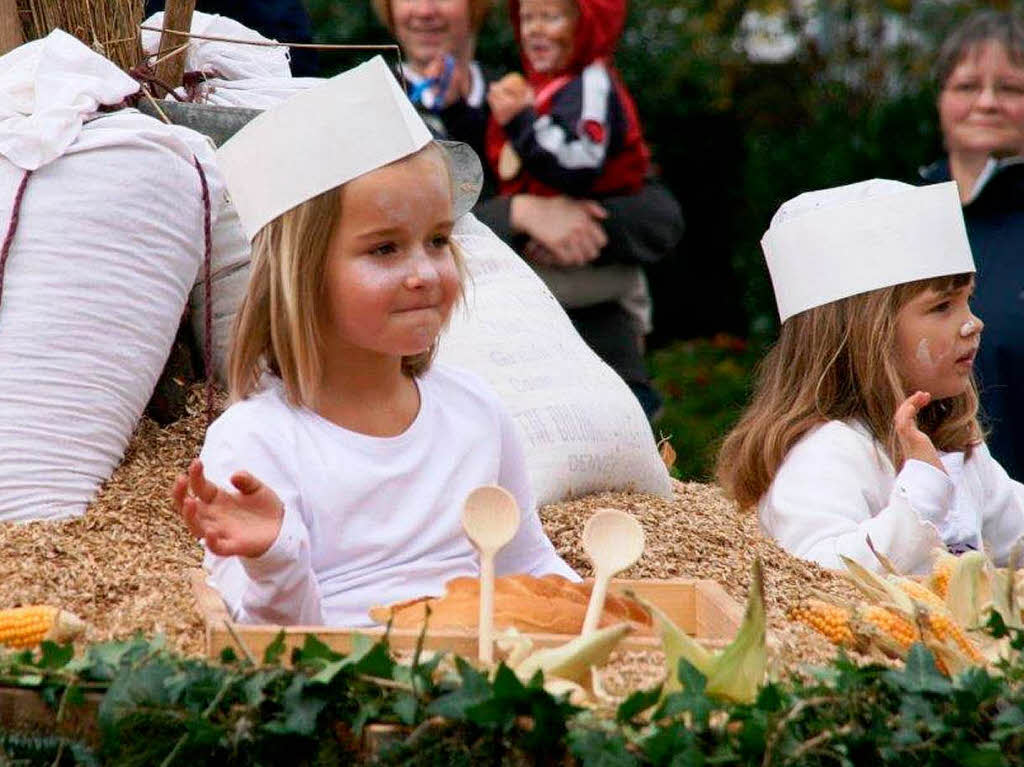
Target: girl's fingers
201, 487
245, 482
178, 491
190, 513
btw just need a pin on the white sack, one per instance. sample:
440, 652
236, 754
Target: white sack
109, 241
583, 430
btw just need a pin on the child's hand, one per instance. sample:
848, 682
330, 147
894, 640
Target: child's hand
245, 523
915, 443
508, 97
459, 83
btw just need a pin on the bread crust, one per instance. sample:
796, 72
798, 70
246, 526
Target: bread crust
549, 604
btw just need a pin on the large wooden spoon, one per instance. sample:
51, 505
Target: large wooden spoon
490, 518
613, 540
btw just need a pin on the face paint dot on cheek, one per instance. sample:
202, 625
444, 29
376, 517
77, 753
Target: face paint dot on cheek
923, 354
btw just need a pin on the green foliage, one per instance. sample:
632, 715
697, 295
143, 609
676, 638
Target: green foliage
705, 384
162, 709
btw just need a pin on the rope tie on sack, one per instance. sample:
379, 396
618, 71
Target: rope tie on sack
12, 227
207, 291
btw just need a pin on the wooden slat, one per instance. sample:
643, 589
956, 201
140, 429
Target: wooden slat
699, 607
11, 33
23, 710
177, 15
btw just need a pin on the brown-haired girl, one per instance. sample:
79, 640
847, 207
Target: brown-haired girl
348, 454
863, 422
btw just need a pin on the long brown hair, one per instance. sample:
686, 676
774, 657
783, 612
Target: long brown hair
278, 328
837, 362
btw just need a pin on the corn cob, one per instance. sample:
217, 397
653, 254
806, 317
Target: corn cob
889, 625
28, 626
833, 621
920, 593
946, 629
942, 569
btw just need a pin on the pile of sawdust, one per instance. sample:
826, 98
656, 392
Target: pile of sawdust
122, 567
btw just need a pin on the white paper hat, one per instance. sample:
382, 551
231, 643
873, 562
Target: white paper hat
351, 124
832, 243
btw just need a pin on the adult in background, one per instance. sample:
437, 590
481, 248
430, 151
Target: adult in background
590, 253
283, 20
980, 74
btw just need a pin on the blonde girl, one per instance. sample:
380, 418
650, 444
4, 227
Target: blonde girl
864, 418
335, 480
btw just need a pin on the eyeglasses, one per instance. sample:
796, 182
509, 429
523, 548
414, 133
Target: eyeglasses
972, 89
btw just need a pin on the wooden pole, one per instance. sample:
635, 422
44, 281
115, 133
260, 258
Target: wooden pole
11, 34
177, 15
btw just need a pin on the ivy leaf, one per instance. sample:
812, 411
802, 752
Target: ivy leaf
594, 748
301, 709
314, 652
691, 698
673, 745
135, 688
406, 707
272, 655
474, 689
253, 689
919, 674
641, 700
54, 655
377, 662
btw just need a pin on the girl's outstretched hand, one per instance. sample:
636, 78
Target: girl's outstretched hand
245, 523
915, 443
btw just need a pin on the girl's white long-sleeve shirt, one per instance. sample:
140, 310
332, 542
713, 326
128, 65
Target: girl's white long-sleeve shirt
836, 487
369, 520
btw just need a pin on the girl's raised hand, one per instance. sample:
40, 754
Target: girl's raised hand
245, 523
915, 443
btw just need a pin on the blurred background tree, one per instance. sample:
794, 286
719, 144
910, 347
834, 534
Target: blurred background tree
745, 103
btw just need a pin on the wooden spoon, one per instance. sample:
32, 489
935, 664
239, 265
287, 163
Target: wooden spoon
613, 540
490, 518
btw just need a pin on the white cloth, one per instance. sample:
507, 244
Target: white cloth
369, 520
836, 486
48, 89
230, 60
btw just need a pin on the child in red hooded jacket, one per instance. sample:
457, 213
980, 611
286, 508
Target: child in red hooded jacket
571, 126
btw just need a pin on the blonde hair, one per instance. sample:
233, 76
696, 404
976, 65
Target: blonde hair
837, 362
278, 328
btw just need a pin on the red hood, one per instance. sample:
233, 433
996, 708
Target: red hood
597, 32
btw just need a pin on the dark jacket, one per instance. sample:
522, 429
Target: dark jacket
995, 228
582, 136
284, 20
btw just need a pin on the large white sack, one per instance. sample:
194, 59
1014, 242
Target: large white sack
110, 240
583, 430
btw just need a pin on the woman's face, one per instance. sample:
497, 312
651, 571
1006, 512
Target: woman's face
427, 29
981, 107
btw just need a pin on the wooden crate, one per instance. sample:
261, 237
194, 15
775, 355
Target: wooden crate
702, 608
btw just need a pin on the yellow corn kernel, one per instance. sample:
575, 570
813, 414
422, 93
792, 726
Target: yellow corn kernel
833, 621
890, 624
946, 629
28, 626
942, 569
922, 594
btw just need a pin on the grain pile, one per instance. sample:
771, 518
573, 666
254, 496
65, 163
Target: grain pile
122, 567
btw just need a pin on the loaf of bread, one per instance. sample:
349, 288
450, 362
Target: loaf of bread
550, 605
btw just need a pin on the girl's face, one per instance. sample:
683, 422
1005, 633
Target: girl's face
390, 275
981, 107
427, 29
937, 339
547, 29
